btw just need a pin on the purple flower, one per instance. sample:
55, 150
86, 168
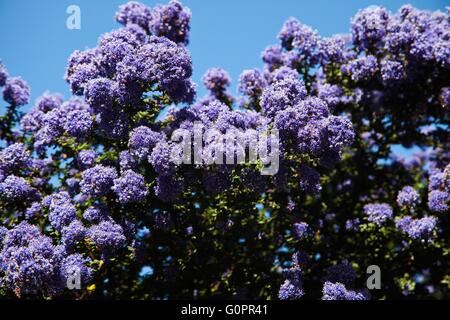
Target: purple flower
100, 93
378, 212
216, 80
86, 158
291, 289
251, 83
407, 197
301, 230
33, 211
281, 95
96, 213
107, 236
72, 234
369, 27
17, 189
142, 141
16, 91
130, 187
417, 228
75, 265
337, 291
437, 201
97, 181
171, 21
134, 12
48, 102
332, 50
79, 123
126, 161
14, 158
273, 57
363, 68
392, 71
61, 210
32, 120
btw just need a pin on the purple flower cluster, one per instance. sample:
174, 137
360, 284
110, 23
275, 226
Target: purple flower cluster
338, 291
378, 212
171, 21
130, 187
417, 228
98, 181
107, 236
407, 197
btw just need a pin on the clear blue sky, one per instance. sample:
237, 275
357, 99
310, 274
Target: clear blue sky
35, 42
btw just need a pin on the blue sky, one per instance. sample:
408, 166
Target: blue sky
35, 42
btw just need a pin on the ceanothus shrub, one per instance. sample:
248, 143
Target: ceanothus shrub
91, 186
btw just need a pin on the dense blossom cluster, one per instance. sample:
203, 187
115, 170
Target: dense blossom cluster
95, 187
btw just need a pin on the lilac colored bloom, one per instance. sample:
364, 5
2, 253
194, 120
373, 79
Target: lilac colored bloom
96, 213
126, 161
332, 49
32, 120
97, 181
301, 230
378, 212
352, 224
435, 180
86, 158
99, 93
369, 27
392, 71
408, 197
107, 236
82, 74
48, 101
74, 265
130, 187
16, 91
14, 158
291, 289
171, 21
61, 210
79, 123
417, 228
142, 141
281, 95
72, 234
3, 74
363, 68
331, 94
15, 188
251, 82
216, 80
113, 47
273, 57
169, 64
33, 211
337, 291
161, 158
134, 12
438, 201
